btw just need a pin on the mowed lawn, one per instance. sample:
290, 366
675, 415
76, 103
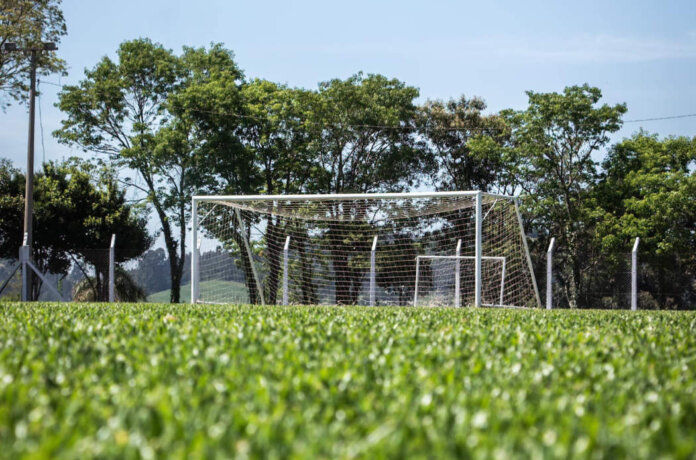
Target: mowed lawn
80, 381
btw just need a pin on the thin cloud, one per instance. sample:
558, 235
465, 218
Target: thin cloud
589, 48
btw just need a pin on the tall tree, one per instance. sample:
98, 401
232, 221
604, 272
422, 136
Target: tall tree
126, 110
365, 141
28, 23
274, 131
556, 138
470, 149
647, 190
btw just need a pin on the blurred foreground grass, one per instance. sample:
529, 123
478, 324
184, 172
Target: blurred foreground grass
152, 381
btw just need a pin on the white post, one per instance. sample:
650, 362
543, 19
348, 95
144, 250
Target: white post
250, 254
502, 283
549, 275
24, 254
526, 252
457, 275
195, 275
477, 255
415, 293
373, 272
112, 269
634, 275
286, 249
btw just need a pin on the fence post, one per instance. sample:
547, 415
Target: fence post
549, 275
457, 275
477, 258
24, 253
373, 271
286, 249
112, 269
634, 275
195, 276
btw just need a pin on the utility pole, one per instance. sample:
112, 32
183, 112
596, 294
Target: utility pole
29, 188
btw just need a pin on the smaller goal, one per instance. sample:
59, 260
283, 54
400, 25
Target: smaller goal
424, 249
450, 279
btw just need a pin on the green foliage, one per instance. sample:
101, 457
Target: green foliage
470, 149
219, 382
647, 190
364, 141
77, 207
138, 112
555, 139
28, 23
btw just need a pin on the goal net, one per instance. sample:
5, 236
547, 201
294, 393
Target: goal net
423, 249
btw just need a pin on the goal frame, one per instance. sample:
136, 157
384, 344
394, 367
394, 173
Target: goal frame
477, 195
457, 273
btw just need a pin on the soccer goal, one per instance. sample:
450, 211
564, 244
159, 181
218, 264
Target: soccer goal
423, 249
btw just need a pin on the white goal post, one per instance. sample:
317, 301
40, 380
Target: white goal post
361, 249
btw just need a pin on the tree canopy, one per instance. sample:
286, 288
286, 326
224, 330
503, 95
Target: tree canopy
28, 23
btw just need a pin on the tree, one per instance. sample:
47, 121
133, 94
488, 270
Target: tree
647, 190
364, 141
28, 23
555, 139
275, 134
128, 111
77, 209
470, 150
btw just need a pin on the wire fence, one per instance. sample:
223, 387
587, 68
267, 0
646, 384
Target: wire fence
603, 282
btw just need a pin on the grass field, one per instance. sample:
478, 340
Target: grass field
226, 291
80, 381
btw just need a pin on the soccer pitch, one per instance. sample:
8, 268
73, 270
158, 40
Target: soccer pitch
97, 380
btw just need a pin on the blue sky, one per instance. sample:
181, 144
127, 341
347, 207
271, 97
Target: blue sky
639, 52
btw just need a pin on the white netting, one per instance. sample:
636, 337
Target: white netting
329, 252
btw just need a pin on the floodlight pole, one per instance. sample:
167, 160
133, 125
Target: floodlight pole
29, 187
549, 275
634, 275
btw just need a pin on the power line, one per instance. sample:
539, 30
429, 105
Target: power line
671, 117
43, 146
411, 128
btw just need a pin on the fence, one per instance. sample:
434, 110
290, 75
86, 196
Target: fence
625, 280
94, 274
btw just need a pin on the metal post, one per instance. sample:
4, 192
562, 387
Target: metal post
526, 252
502, 283
415, 293
195, 276
286, 249
477, 255
549, 275
457, 275
373, 272
112, 269
29, 187
250, 254
634, 275
24, 253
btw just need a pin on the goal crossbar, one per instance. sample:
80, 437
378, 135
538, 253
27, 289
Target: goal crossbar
345, 196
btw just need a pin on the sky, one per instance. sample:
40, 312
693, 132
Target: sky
639, 52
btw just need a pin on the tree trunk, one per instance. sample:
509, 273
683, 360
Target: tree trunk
249, 279
273, 241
